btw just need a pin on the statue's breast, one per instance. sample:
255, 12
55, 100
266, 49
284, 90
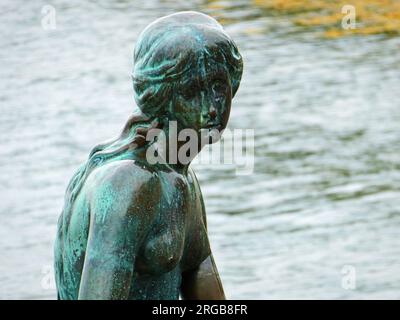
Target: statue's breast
178, 235
163, 246
161, 252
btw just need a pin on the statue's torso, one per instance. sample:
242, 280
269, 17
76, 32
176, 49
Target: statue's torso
176, 240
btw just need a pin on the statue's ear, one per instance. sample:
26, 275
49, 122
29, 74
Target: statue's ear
236, 79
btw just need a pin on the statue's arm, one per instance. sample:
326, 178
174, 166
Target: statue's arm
110, 253
115, 228
203, 283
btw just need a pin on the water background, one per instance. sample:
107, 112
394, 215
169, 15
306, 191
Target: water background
324, 195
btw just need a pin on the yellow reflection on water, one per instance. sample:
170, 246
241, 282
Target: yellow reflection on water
371, 16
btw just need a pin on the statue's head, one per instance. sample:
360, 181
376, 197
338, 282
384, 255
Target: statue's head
186, 68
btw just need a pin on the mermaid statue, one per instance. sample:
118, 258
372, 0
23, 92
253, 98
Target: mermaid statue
134, 229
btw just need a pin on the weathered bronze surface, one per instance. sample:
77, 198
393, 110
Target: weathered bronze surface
130, 229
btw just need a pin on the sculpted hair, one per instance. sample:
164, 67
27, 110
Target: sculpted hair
165, 52
171, 47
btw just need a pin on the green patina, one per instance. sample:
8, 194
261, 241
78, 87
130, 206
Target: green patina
129, 229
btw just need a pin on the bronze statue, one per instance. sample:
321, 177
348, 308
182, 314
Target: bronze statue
131, 229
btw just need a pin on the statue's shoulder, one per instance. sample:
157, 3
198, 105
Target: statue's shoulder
124, 177
123, 189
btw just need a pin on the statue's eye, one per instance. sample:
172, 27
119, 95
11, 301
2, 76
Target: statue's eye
218, 86
189, 91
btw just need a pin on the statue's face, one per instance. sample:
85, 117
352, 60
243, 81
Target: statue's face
203, 99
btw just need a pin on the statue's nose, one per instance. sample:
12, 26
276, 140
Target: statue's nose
212, 113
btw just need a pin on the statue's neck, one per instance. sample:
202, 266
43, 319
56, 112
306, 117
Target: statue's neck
179, 153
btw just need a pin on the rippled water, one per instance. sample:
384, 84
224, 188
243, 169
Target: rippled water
325, 189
